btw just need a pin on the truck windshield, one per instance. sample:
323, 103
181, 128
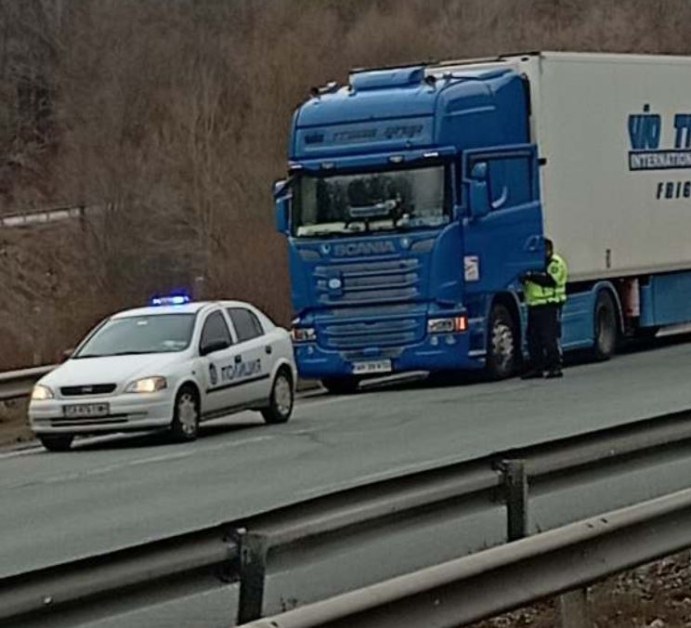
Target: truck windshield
353, 203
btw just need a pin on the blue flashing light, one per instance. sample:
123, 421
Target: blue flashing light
174, 299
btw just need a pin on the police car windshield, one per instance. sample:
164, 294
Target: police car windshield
352, 203
154, 333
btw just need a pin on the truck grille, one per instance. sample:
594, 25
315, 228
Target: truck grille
371, 282
387, 333
93, 389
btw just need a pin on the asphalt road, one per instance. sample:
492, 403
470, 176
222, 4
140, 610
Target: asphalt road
132, 489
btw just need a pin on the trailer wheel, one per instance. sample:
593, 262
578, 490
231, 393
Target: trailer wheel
502, 344
606, 328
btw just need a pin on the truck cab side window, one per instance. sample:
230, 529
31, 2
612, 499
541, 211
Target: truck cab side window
509, 182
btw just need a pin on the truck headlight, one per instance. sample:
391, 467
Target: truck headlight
303, 334
41, 393
447, 325
147, 385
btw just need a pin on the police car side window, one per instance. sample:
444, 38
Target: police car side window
215, 331
247, 325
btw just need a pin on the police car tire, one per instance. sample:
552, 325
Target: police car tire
277, 411
56, 442
177, 428
495, 369
606, 328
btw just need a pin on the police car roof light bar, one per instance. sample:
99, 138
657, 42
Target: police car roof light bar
175, 299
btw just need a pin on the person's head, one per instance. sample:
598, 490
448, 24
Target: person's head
549, 248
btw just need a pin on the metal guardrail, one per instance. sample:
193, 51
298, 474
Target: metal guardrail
501, 579
42, 216
18, 384
243, 550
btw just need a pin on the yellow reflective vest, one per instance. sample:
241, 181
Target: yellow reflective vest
536, 294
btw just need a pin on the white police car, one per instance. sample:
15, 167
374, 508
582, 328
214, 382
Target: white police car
172, 366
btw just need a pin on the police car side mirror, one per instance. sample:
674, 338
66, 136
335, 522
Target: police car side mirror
66, 355
213, 347
479, 190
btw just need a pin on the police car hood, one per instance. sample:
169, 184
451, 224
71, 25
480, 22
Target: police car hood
117, 369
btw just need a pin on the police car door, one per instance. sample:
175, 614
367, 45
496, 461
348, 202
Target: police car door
255, 351
216, 351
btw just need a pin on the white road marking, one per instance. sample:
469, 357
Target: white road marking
139, 462
379, 476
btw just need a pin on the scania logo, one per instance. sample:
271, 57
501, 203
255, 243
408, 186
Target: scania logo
351, 249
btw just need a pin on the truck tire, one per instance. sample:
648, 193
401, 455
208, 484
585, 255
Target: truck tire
341, 385
502, 344
606, 327
56, 442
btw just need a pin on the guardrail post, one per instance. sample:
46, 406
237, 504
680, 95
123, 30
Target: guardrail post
253, 552
516, 487
573, 609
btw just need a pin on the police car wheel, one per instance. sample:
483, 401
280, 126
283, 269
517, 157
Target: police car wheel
502, 358
56, 442
282, 399
185, 425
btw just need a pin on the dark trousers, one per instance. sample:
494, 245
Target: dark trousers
544, 330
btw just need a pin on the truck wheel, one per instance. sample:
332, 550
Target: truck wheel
185, 425
282, 399
56, 442
502, 344
341, 385
606, 330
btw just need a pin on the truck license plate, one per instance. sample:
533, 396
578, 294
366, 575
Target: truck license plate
371, 367
86, 410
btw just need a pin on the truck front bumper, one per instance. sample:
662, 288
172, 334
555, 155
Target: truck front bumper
438, 352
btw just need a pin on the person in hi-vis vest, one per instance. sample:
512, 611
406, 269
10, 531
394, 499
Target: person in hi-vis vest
545, 295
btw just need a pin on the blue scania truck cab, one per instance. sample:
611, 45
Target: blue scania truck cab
415, 202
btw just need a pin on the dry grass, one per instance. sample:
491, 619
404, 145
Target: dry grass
657, 595
175, 115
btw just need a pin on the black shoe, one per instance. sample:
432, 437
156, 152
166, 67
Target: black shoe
554, 373
532, 374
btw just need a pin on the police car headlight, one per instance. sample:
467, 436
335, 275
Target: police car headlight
147, 385
41, 393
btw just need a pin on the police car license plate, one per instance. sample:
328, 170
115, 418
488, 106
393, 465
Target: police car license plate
86, 410
371, 367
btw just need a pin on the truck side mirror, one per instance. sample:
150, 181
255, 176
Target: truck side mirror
479, 190
282, 196
283, 215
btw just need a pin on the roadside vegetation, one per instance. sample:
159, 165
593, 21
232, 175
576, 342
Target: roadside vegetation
171, 119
